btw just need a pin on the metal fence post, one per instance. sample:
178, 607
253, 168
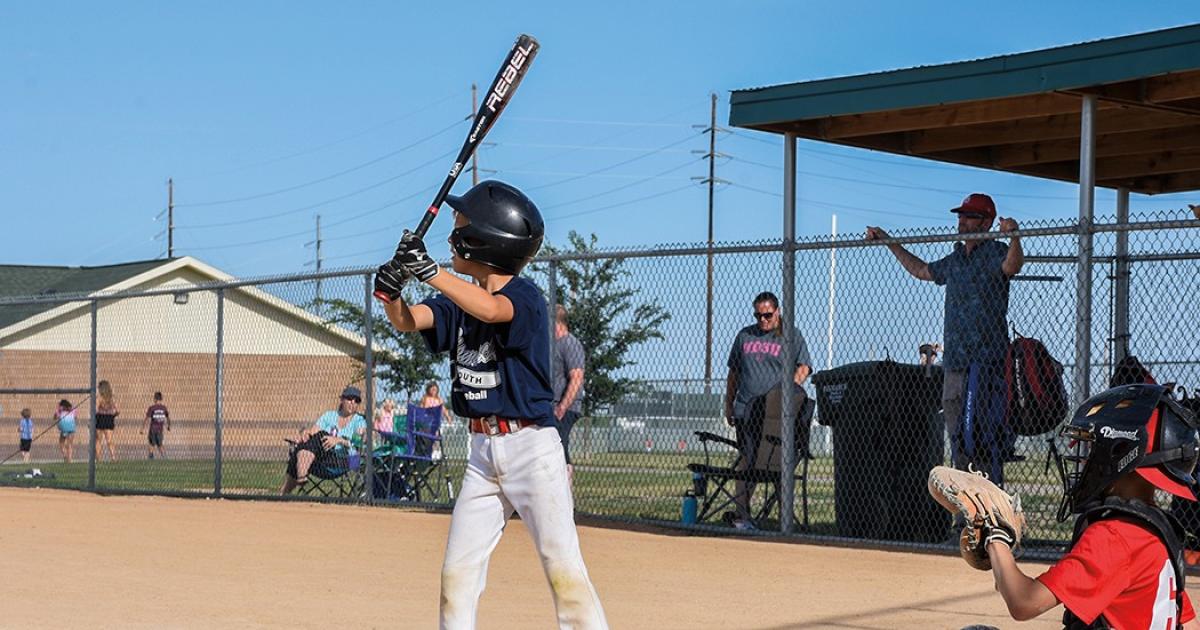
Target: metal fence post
1083, 293
92, 423
218, 420
369, 384
1120, 340
552, 300
787, 433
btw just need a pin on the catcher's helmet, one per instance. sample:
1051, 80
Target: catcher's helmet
505, 229
1132, 427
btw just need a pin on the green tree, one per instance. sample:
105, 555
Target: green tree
403, 364
595, 295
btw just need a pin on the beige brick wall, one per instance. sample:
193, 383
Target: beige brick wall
265, 396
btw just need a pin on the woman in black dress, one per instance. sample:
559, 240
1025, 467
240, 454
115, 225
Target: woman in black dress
106, 419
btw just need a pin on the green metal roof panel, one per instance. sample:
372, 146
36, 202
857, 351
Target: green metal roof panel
29, 280
1066, 67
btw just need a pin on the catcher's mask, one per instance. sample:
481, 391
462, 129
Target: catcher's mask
1132, 427
505, 229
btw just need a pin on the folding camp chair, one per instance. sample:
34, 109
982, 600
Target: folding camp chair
337, 475
406, 468
717, 485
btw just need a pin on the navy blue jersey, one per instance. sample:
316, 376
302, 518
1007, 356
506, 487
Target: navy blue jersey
497, 369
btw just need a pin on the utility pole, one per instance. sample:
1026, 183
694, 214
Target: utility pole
708, 302
474, 154
170, 218
318, 244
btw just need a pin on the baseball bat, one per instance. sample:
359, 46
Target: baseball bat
498, 96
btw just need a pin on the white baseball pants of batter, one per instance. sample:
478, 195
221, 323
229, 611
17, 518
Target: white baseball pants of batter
524, 472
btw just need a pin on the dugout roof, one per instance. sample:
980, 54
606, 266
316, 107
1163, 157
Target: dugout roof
1018, 113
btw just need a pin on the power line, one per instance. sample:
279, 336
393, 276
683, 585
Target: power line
626, 186
829, 204
626, 203
581, 147
352, 136
618, 164
614, 136
604, 176
327, 177
325, 201
611, 123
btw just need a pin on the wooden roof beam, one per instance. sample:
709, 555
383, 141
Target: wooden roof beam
1143, 168
950, 115
1036, 129
1108, 145
1157, 184
1132, 166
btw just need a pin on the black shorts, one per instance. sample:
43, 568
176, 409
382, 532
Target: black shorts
105, 422
564, 431
26, 445
326, 460
154, 437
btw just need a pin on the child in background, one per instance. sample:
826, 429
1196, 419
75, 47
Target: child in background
26, 431
157, 417
65, 416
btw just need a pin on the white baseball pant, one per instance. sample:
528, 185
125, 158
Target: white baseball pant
523, 471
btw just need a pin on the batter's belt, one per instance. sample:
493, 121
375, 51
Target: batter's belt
495, 425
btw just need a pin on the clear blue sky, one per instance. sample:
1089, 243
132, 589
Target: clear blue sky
291, 109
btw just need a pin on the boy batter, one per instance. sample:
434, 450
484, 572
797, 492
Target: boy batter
497, 334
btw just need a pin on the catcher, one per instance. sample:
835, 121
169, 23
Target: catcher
1124, 568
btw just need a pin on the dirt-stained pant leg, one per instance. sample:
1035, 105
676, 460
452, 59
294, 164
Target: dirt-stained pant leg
480, 514
954, 386
533, 476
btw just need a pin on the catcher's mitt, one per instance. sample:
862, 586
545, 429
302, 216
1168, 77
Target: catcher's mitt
990, 513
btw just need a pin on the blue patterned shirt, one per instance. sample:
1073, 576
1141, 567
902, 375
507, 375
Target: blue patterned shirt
976, 319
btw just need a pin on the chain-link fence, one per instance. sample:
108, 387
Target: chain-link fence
245, 366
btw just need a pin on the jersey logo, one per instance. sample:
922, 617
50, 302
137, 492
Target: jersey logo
478, 380
476, 367
474, 356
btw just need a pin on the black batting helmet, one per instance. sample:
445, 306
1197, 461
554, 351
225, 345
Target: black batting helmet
505, 229
1132, 427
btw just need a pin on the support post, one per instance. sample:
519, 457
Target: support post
1081, 373
219, 401
787, 485
369, 386
92, 423
1120, 340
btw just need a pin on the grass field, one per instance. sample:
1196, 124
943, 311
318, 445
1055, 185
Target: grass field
628, 485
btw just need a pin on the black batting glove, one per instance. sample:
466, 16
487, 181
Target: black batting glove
389, 279
414, 258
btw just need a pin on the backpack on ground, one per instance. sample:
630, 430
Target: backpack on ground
1037, 398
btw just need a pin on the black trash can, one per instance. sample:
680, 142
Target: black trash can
887, 435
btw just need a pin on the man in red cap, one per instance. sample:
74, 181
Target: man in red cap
976, 276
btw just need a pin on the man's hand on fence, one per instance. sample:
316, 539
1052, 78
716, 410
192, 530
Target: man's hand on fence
1007, 225
876, 233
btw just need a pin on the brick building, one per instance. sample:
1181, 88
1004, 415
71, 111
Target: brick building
283, 365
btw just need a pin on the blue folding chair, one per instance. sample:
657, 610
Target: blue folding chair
405, 466
337, 475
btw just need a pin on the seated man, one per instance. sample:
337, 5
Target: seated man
328, 441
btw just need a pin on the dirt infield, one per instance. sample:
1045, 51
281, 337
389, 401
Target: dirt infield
78, 560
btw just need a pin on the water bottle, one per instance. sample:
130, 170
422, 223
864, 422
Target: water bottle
699, 485
690, 508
